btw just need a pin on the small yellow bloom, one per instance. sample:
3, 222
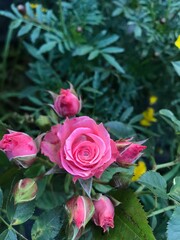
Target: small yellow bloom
177, 42
148, 117
35, 5
139, 170
153, 99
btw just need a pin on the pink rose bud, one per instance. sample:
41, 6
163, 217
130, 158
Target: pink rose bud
67, 103
80, 209
129, 152
25, 190
104, 213
19, 147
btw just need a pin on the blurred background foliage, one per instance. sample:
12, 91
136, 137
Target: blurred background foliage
118, 55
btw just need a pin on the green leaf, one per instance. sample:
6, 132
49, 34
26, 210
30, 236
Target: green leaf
7, 14
47, 47
155, 182
130, 220
107, 41
1, 198
176, 66
39, 13
86, 185
15, 24
173, 229
23, 212
119, 129
25, 29
33, 51
111, 60
93, 54
3, 129
82, 50
47, 226
113, 50
35, 34
170, 118
29, 10
175, 189
8, 235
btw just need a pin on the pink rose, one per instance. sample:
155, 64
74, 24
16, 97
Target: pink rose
85, 148
50, 146
66, 104
104, 213
20, 147
80, 209
129, 152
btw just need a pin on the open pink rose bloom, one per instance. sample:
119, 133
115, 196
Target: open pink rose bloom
80, 146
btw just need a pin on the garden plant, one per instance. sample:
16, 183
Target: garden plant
89, 120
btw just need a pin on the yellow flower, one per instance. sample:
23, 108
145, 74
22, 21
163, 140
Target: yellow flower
139, 170
148, 117
153, 99
35, 5
177, 42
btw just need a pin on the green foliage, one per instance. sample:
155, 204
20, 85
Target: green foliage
8, 235
130, 219
155, 182
173, 231
175, 189
47, 226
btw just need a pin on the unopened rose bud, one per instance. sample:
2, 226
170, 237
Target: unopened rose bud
104, 213
19, 147
129, 152
25, 190
67, 103
80, 210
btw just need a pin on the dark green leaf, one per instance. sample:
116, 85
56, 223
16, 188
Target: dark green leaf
1, 198
173, 229
23, 212
130, 220
119, 129
33, 51
155, 182
47, 226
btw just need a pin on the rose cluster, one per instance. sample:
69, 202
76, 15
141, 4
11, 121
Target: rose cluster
81, 147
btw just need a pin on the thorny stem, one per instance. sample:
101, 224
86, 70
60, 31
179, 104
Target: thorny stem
161, 211
11, 228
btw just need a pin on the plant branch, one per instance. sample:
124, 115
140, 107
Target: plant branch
162, 211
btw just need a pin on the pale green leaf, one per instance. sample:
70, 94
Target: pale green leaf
8, 235
155, 182
47, 47
107, 41
113, 50
86, 185
176, 66
82, 50
7, 14
175, 189
93, 54
25, 29
35, 34
173, 229
112, 61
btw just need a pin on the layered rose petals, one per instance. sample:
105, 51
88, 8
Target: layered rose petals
85, 148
